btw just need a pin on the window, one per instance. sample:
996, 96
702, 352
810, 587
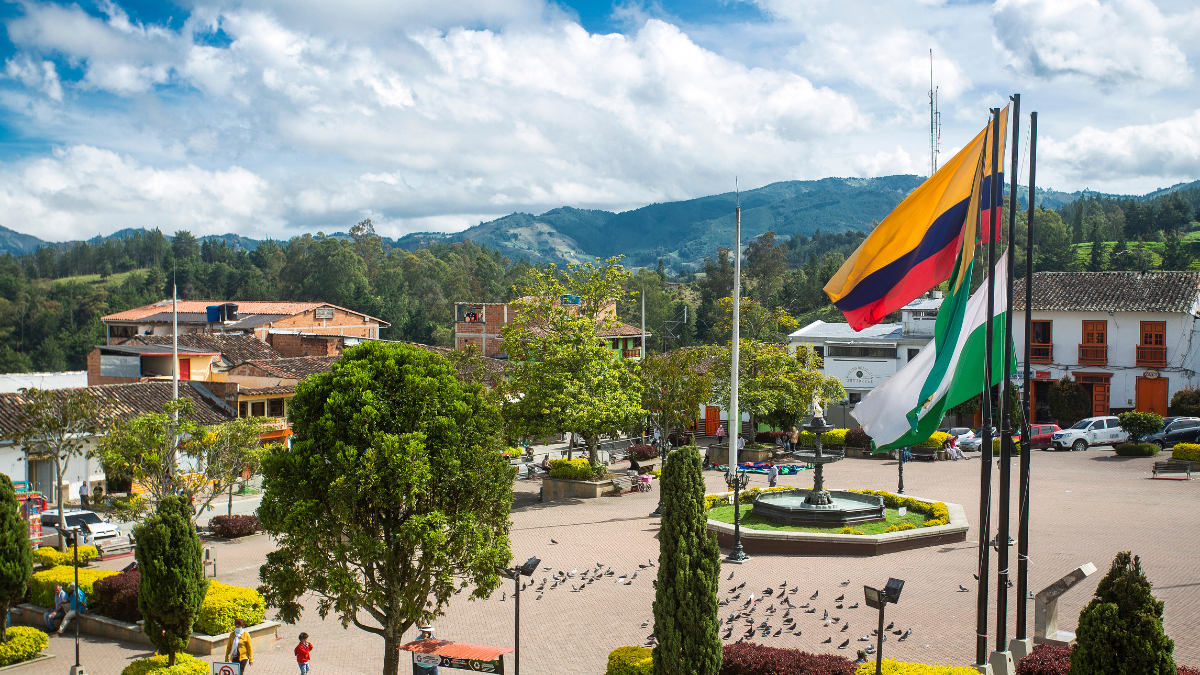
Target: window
1094, 348
1095, 332
1153, 351
1039, 332
275, 407
912, 353
863, 352
1153, 332
820, 350
258, 408
122, 331
242, 409
855, 397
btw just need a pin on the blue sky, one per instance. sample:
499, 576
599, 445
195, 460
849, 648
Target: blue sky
276, 117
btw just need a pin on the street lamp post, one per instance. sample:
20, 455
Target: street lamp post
515, 573
879, 598
735, 416
77, 669
901, 454
737, 482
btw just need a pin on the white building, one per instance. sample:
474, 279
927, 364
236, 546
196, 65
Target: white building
1128, 337
13, 382
863, 360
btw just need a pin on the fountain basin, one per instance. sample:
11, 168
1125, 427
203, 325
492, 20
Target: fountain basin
846, 508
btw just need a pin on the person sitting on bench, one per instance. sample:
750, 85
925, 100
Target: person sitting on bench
633, 464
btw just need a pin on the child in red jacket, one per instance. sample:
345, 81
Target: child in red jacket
302, 651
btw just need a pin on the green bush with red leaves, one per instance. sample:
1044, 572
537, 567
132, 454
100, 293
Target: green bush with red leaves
117, 597
749, 658
643, 452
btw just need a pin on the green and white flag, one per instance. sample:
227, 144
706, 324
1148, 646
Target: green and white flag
909, 406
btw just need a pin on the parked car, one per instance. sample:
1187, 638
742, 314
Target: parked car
95, 531
1089, 432
963, 434
1175, 430
975, 441
1040, 435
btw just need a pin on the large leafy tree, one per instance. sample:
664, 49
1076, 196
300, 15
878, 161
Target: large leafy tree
564, 377
55, 426
220, 455
689, 567
773, 382
755, 321
172, 587
674, 386
16, 556
392, 497
1120, 631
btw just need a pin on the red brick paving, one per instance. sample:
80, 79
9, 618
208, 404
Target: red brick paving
1086, 507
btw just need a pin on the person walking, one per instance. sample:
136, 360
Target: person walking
418, 669
245, 647
83, 495
795, 438
302, 653
76, 605
772, 475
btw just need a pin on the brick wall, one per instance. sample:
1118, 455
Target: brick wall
303, 345
475, 332
94, 376
226, 391
342, 323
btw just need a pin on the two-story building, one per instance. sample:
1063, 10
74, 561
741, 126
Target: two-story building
480, 324
863, 360
1129, 338
250, 317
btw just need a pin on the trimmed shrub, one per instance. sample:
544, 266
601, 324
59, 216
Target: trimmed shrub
894, 667
16, 559
41, 584
1016, 447
1046, 660
1121, 630
937, 440
24, 643
935, 514
185, 664
48, 556
229, 527
1069, 402
1186, 403
223, 604
1187, 670
857, 438
1140, 424
116, 597
1190, 451
900, 528
643, 452
630, 661
1136, 449
571, 469
748, 658
832, 437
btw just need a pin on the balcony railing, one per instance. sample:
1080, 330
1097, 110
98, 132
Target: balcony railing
1152, 356
1041, 353
631, 353
1093, 355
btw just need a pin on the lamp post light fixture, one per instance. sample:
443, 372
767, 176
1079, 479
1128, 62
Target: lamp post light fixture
737, 481
879, 598
515, 573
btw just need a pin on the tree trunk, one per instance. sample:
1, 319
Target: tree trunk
62, 517
391, 655
593, 442
171, 655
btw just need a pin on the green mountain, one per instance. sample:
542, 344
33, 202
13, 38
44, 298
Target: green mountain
17, 243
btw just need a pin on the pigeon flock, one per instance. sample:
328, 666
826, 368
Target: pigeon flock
771, 613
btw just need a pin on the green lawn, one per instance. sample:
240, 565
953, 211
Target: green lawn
116, 278
724, 514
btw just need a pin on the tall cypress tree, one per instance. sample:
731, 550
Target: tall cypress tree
172, 587
16, 557
689, 568
1121, 631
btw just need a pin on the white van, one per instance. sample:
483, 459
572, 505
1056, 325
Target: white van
1088, 432
94, 531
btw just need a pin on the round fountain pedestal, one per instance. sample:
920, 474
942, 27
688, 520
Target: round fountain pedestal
841, 508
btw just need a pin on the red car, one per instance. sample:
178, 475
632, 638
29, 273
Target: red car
1039, 435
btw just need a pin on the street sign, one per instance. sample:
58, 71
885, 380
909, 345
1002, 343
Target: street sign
219, 668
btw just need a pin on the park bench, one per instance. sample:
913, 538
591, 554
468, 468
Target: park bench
623, 484
924, 453
1182, 466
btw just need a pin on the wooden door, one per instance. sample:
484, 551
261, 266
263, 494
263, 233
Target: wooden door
1152, 395
185, 369
712, 420
1095, 332
1100, 398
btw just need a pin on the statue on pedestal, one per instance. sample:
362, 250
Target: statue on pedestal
817, 411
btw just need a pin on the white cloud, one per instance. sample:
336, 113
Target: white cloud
886, 164
1169, 150
1110, 43
40, 76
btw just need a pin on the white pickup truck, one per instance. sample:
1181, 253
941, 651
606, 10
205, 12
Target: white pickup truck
1088, 432
94, 531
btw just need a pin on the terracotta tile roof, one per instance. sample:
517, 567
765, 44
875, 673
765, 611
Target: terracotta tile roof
1174, 292
121, 402
266, 391
295, 368
245, 308
235, 348
491, 365
613, 329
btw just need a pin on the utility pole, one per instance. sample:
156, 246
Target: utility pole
735, 417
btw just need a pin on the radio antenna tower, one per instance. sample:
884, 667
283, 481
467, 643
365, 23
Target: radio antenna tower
935, 121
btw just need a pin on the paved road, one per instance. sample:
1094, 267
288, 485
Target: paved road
1086, 507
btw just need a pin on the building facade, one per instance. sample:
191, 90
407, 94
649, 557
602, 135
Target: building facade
480, 324
1129, 338
252, 317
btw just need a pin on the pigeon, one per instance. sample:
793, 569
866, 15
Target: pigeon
963, 589
627, 583
730, 577
778, 633
547, 569
735, 597
854, 606
522, 586
740, 586
539, 596
732, 615
650, 561
837, 606
788, 602
806, 605
1031, 594
770, 610
642, 567
621, 579
591, 580
599, 565
764, 624
870, 649
793, 589
503, 597
634, 576
573, 589
787, 614
573, 572
752, 597
814, 595
864, 639
797, 633
554, 585
768, 591
723, 602
728, 634
826, 616
811, 611
826, 641
845, 627
844, 644
609, 572
897, 632
553, 541
906, 634
826, 624
840, 598
846, 582
890, 626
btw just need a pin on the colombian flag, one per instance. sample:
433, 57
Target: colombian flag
916, 246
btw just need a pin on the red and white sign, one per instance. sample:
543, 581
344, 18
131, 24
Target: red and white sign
1041, 374
219, 668
1150, 374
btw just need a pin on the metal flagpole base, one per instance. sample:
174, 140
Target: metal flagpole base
983, 668
1020, 648
77, 670
1002, 663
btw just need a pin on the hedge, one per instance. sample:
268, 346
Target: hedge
630, 661
1189, 451
711, 501
937, 440
643, 452
49, 556
832, 437
935, 513
1016, 447
572, 469
117, 597
1136, 449
894, 667
229, 527
1046, 660
185, 664
857, 438
24, 643
748, 658
41, 584
223, 604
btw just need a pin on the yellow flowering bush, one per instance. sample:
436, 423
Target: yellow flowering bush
900, 528
936, 513
24, 643
850, 530
185, 664
41, 584
48, 556
894, 667
832, 437
571, 469
1189, 451
630, 661
937, 440
223, 604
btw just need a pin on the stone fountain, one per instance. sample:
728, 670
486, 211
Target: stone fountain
819, 506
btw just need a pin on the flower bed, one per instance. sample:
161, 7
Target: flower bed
185, 664
749, 658
630, 661
24, 643
894, 667
48, 556
41, 584
936, 512
1046, 660
1188, 451
223, 604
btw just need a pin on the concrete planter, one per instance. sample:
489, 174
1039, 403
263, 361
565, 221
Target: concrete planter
719, 454
262, 635
558, 489
765, 542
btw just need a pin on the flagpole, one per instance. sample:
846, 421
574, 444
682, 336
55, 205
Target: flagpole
1023, 495
1002, 575
735, 417
985, 472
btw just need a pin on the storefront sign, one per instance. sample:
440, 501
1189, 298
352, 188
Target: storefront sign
1150, 374
1041, 374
